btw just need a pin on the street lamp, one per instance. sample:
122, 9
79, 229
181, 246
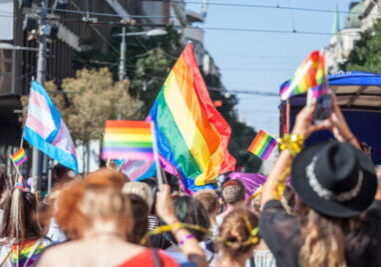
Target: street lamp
122, 58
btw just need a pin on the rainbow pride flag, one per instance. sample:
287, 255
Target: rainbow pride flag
127, 140
28, 248
310, 75
19, 157
262, 145
191, 134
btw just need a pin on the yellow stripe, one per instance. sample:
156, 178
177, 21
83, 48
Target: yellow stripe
186, 124
128, 138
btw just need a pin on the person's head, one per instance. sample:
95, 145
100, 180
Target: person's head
336, 184
209, 199
233, 192
238, 234
140, 213
68, 213
190, 210
19, 219
106, 177
140, 189
102, 205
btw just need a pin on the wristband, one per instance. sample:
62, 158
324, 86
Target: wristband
185, 238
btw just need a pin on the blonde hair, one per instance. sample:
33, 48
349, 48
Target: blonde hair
236, 232
141, 189
105, 203
324, 241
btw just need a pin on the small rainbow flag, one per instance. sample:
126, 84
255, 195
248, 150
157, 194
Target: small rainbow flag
311, 74
262, 145
127, 140
19, 157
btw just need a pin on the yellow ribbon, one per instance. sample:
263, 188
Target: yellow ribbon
293, 142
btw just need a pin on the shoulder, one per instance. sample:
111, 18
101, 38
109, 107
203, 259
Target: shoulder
279, 229
53, 252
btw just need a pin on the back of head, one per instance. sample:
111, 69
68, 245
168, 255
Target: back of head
233, 191
104, 204
238, 232
190, 210
140, 189
106, 177
97, 196
209, 199
19, 219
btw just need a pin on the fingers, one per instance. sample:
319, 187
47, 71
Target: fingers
164, 188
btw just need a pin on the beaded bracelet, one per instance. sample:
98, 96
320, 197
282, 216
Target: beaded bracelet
185, 238
292, 142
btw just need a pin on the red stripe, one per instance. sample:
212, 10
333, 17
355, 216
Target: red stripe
127, 124
258, 138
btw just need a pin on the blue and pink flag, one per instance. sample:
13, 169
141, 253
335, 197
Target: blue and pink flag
46, 130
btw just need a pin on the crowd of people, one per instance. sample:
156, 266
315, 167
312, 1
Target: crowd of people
320, 206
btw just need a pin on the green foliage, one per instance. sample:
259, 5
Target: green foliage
242, 134
149, 60
366, 55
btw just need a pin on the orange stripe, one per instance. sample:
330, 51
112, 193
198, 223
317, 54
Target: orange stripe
143, 131
184, 79
127, 124
256, 140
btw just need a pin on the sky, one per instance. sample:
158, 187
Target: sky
262, 61
253, 61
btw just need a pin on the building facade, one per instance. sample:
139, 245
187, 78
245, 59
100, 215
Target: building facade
362, 15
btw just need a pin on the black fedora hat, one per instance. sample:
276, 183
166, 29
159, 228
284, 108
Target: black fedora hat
334, 179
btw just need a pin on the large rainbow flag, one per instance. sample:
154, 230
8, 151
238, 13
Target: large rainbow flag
191, 134
310, 75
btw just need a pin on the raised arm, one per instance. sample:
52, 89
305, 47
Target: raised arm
303, 128
187, 242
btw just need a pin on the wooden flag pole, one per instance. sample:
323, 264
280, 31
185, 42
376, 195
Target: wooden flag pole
159, 175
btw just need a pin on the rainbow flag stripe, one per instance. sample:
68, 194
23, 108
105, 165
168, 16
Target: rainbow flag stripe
20, 253
191, 134
262, 145
19, 157
127, 140
311, 74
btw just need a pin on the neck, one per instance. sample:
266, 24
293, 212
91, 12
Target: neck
104, 228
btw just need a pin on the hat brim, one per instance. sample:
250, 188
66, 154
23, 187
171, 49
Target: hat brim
333, 208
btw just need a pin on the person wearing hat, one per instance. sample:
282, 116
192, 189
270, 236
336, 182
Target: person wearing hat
338, 222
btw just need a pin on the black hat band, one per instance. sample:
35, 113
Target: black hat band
328, 194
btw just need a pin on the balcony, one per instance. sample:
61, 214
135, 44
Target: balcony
194, 34
193, 16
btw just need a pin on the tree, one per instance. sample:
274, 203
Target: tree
366, 55
88, 100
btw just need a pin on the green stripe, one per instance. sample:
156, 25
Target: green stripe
175, 140
265, 144
127, 144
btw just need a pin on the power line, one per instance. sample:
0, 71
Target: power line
105, 14
265, 31
304, 9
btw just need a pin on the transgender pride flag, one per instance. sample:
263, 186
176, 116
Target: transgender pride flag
45, 129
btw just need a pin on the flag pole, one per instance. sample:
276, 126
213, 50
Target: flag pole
22, 138
17, 169
156, 157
